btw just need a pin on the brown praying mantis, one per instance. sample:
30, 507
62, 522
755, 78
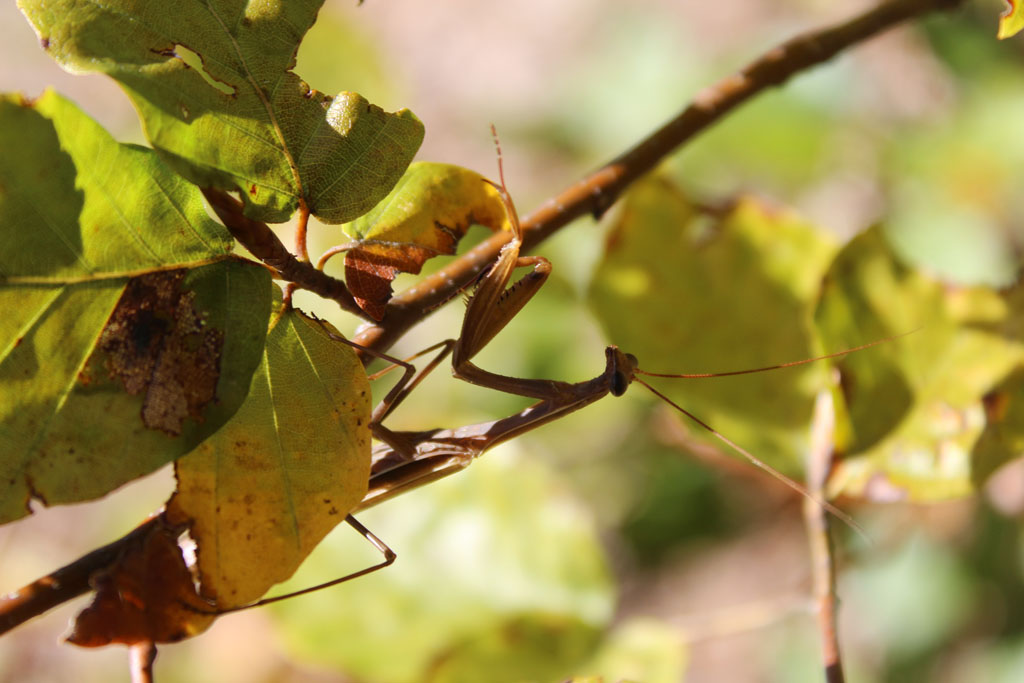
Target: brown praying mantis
406, 460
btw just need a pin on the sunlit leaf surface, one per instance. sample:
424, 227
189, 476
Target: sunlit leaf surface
1011, 22
265, 489
213, 84
914, 404
689, 291
129, 331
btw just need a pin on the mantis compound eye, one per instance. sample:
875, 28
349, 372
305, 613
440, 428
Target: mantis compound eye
620, 370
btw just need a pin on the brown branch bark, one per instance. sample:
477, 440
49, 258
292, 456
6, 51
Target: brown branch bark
593, 195
140, 663
261, 241
64, 584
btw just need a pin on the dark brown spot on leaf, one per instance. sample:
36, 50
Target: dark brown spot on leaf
252, 190
156, 344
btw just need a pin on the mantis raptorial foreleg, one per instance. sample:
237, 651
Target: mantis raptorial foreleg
495, 303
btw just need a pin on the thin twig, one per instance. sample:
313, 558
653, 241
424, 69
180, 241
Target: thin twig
301, 226
141, 658
64, 584
261, 241
598, 191
593, 194
823, 570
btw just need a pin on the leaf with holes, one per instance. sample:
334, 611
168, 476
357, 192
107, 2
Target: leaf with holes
130, 331
213, 84
686, 290
265, 489
425, 215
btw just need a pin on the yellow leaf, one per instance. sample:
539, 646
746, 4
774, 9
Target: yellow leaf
263, 491
1011, 22
425, 215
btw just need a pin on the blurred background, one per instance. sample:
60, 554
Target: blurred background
598, 544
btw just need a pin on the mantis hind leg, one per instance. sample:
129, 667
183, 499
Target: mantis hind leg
389, 559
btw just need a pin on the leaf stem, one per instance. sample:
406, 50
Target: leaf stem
301, 230
141, 659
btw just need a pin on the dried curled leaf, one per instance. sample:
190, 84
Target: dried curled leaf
146, 596
425, 215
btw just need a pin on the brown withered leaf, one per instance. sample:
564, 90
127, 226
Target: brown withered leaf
425, 215
146, 596
370, 269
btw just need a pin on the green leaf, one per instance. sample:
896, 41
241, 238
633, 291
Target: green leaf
130, 331
497, 551
425, 215
265, 489
530, 647
688, 292
913, 405
213, 84
77, 206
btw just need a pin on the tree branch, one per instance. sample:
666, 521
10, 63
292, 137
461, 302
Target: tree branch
66, 583
261, 241
599, 190
594, 194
